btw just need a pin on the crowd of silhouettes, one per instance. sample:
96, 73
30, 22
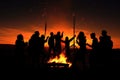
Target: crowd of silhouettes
100, 53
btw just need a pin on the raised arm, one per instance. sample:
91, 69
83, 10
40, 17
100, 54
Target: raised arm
77, 42
63, 41
72, 38
46, 39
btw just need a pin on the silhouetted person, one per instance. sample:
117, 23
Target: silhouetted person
51, 43
42, 48
58, 38
34, 48
20, 49
94, 46
105, 41
67, 46
80, 55
105, 46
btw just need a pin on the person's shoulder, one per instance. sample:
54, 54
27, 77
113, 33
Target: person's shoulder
96, 39
109, 37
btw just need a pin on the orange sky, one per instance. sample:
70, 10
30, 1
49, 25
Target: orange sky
25, 17
9, 34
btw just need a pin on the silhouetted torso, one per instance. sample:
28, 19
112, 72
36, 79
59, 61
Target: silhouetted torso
51, 44
105, 46
81, 41
34, 47
81, 53
20, 49
42, 49
58, 43
67, 46
94, 51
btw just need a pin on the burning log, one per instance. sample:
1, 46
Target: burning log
58, 65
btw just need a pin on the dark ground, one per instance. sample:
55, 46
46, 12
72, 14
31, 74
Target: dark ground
8, 67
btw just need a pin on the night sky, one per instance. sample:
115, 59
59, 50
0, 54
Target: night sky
26, 16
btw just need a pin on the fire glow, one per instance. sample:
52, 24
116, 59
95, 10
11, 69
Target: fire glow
61, 59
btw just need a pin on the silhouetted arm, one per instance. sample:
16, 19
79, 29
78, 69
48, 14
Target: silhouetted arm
63, 41
77, 42
46, 39
72, 38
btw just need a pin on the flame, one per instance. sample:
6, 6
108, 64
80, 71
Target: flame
61, 59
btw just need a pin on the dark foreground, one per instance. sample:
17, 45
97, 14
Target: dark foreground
8, 67
47, 73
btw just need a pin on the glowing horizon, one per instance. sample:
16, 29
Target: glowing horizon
10, 34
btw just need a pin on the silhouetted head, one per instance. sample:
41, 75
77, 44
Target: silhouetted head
104, 32
92, 35
37, 33
81, 34
58, 33
19, 37
66, 38
51, 33
43, 36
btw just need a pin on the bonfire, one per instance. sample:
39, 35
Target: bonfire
62, 59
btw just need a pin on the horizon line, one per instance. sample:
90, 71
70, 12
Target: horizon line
45, 46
